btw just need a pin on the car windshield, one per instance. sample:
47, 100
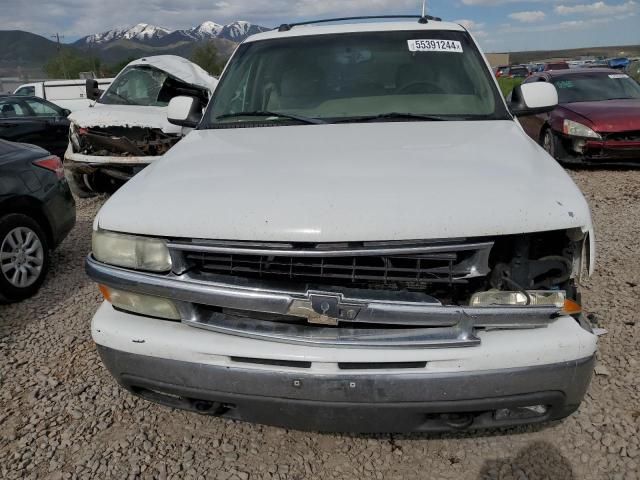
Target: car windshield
595, 87
148, 86
373, 76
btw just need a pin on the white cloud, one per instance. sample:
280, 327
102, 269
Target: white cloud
528, 17
597, 8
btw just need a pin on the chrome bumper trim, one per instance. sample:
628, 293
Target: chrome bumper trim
448, 325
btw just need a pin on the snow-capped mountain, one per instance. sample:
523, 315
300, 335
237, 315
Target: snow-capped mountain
142, 32
238, 31
206, 30
153, 35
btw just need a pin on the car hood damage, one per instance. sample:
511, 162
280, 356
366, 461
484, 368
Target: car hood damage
104, 116
609, 115
135, 130
358, 182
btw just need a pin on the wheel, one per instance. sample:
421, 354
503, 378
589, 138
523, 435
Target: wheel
24, 257
551, 143
80, 185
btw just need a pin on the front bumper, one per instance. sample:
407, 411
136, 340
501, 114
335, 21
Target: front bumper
370, 403
100, 174
603, 152
350, 390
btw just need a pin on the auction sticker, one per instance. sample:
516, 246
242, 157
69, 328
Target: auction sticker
435, 46
619, 75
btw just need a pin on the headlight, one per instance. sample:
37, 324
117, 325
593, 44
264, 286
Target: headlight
141, 304
575, 129
501, 298
130, 251
74, 138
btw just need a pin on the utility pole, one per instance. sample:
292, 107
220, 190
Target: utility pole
57, 36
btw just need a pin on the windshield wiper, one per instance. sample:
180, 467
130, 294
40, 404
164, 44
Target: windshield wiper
265, 113
396, 115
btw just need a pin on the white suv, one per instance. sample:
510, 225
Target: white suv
358, 236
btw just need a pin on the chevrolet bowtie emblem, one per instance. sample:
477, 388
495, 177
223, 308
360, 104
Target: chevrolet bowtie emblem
324, 309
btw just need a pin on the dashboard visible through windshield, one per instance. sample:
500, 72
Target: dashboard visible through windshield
372, 76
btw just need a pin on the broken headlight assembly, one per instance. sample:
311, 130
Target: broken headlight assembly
498, 297
74, 137
131, 251
540, 269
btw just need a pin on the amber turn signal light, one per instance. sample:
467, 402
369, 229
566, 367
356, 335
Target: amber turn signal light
106, 293
571, 308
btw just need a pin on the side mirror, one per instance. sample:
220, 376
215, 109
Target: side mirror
93, 92
533, 99
184, 111
66, 112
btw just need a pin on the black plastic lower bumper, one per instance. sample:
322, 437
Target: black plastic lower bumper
364, 403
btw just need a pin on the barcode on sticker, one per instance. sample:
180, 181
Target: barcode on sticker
435, 46
619, 75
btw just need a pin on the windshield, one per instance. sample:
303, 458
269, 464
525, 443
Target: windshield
148, 86
595, 87
388, 76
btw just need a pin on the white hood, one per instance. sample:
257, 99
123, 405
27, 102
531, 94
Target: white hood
353, 182
102, 115
181, 68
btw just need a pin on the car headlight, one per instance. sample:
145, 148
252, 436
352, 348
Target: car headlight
575, 129
74, 138
146, 305
503, 298
131, 251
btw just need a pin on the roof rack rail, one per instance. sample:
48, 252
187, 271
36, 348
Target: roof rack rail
285, 27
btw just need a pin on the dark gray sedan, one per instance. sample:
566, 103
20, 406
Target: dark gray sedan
37, 211
36, 121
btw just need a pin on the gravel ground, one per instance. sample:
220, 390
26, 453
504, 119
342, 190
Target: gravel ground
62, 416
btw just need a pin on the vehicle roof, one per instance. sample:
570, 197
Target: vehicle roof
333, 29
16, 150
577, 71
180, 68
30, 97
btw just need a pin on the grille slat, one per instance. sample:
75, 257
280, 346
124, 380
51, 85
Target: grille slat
420, 268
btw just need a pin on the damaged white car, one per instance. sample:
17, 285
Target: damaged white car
339, 247
127, 128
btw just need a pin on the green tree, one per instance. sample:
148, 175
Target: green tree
207, 57
69, 63
116, 68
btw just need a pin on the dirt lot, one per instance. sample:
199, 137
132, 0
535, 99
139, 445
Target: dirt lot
62, 416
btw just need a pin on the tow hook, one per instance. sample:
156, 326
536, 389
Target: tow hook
459, 421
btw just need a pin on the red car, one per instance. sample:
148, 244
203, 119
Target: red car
597, 120
556, 66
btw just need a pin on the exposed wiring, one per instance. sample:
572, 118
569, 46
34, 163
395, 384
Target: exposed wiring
518, 287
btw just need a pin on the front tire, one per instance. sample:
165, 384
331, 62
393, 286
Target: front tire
24, 257
552, 144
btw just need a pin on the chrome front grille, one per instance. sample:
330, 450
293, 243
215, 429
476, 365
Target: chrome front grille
388, 266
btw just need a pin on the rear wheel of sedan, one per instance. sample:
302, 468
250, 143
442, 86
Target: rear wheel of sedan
24, 257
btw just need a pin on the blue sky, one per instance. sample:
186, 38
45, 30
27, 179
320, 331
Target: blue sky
499, 25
